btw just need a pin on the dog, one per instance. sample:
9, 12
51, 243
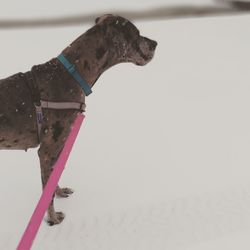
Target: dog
112, 40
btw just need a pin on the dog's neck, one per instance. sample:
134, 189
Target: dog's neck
90, 57
91, 62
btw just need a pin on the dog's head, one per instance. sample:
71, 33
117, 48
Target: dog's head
125, 39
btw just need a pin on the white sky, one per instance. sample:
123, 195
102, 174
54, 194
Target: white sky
41, 8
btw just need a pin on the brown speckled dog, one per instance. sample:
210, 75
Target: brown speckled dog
111, 41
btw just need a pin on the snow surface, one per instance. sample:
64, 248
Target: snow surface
165, 166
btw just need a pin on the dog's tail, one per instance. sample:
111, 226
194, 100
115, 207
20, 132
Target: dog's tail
222, 7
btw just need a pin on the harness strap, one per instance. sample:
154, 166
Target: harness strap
54, 105
63, 105
39, 104
39, 119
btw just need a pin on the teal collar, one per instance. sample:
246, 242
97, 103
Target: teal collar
73, 71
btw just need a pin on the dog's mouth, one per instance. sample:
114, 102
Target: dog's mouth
145, 58
144, 61
145, 51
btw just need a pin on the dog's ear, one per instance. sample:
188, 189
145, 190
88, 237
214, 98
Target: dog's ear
102, 18
97, 20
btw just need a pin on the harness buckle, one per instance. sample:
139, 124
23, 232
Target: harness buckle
82, 106
39, 114
72, 69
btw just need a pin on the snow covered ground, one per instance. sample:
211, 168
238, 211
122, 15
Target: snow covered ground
165, 166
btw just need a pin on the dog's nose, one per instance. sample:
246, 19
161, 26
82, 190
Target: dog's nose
153, 45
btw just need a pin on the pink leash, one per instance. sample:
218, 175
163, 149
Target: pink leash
46, 197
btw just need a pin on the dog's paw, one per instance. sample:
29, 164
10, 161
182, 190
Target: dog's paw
56, 219
64, 192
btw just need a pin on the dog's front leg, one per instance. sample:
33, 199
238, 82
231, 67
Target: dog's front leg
48, 155
63, 192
